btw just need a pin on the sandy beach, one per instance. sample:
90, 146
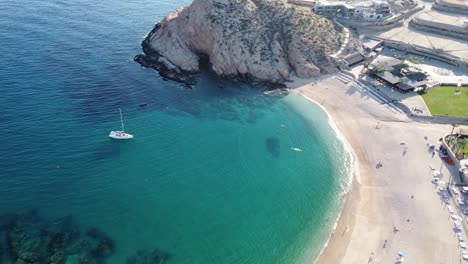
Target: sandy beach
397, 195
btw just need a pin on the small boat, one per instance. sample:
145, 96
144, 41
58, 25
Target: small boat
296, 149
120, 134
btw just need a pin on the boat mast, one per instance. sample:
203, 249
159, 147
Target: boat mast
121, 120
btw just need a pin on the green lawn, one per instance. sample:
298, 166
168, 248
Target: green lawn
443, 101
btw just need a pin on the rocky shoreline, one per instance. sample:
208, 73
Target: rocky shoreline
264, 42
153, 60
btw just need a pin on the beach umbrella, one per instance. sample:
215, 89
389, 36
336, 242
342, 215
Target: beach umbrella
400, 254
436, 173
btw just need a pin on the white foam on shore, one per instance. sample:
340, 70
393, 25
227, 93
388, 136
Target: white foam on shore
352, 171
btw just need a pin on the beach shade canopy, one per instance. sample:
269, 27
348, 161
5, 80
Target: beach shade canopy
400, 254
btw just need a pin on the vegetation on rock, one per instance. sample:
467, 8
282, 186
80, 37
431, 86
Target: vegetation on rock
265, 40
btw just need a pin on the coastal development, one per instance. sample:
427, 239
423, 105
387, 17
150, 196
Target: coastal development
402, 104
234, 132
393, 77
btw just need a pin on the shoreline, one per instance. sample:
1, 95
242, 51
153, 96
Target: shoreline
398, 194
352, 173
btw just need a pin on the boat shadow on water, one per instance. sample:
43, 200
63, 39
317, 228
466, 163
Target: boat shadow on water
109, 149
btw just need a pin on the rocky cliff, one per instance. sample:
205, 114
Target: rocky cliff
262, 40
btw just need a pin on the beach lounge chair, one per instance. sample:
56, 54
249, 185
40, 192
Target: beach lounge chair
450, 209
455, 217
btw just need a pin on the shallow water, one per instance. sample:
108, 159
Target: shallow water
210, 177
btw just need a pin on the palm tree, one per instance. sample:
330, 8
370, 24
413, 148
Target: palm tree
451, 133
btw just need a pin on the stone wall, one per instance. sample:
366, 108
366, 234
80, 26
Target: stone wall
454, 31
450, 7
449, 151
434, 54
453, 84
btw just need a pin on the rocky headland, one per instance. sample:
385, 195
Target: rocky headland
265, 41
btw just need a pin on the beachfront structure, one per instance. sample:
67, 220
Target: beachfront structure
368, 11
398, 75
353, 59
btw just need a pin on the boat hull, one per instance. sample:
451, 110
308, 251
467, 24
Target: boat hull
120, 135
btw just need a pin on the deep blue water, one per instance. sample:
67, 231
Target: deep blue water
210, 176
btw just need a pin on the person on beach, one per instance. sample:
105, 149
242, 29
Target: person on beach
379, 165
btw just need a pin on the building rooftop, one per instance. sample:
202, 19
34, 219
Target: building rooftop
334, 3
370, 43
389, 77
364, 4
354, 58
409, 84
387, 64
395, 72
416, 76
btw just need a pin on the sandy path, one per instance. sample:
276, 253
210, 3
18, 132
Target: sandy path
381, 197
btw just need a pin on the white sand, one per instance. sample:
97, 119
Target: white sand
380, 198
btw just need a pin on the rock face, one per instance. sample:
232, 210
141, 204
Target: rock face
263, 40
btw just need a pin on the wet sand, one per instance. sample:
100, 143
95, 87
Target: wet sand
397, 195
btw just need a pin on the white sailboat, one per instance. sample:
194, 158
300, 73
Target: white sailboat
120, 134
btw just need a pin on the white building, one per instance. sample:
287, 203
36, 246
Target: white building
374, 10
335, 8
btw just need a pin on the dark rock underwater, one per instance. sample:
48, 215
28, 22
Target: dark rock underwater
29, 239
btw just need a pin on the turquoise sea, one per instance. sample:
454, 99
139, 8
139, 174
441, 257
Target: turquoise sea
210, 176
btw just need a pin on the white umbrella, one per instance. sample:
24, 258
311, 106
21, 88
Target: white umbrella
436, 173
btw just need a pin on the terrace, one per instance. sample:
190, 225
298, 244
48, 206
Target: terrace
398, 74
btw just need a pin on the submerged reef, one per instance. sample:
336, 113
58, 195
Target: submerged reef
148, 257
273, 146
30, 239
